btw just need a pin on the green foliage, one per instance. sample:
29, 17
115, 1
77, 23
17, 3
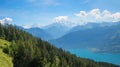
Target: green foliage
29, 51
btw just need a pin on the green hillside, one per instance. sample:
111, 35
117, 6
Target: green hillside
29, 51
5, 60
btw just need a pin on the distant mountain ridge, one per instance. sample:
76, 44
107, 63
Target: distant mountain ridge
92, 25
57, 29
37, 32
103, 38
49, 32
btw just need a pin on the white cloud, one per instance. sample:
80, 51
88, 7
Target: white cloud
96, 15
60, 19
116, 17
6, 21
82, 14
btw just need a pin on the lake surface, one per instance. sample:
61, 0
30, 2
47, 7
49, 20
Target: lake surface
104, 57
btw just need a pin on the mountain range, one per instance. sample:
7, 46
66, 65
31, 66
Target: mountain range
98, 37
57, 29
49, 32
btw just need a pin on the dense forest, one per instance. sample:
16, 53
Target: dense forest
29, 51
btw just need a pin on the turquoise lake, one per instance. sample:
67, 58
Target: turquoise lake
113, 58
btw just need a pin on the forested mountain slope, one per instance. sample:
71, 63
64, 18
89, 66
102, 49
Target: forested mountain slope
29, 51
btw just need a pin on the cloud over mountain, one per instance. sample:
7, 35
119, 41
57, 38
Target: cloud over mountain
96, 15
6, 20
60, 19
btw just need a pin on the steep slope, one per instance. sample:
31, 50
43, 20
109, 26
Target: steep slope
5, 60
29, 51
96, 37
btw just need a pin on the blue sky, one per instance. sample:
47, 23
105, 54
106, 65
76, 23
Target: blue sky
28, 12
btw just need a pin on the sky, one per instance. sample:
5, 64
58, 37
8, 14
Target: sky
43, 12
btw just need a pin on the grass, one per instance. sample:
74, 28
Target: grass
5, 60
